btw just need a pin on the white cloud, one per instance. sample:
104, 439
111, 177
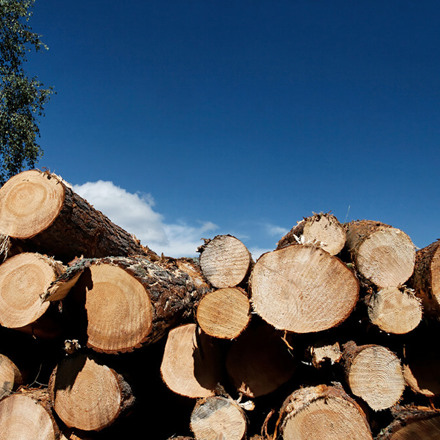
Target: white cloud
258, 252
276, 230
135, 214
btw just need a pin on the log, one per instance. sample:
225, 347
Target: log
323, 230
412, 423
322, 413
225, 261
10, 376
321, 353
191, 363
303, 289
218, 417
42, 210
426, 278
27, 416
24, 278
394, 310
373, 373
88, 395
224, 313
259, 361
130, 301
383, 255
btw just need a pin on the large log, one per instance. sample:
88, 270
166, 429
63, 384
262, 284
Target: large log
302, 289
42, 210
323, 230
24, 278
323, 413
130, 301
383, 255
27, 416
426, 277
88, 395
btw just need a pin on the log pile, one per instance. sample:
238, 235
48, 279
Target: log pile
331, 335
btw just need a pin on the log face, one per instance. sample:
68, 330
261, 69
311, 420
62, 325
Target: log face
29, 204
22, 418
10, 376
303, 289
23, 279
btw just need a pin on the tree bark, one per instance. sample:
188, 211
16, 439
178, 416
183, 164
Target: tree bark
27, 415
259, 361
374, 373
323, 230
426, 278
24, 278
303, 289
88, 395
42, 210
130, 301
225, 261
322, 413
218, 417
383, 255
191, 364
224, 313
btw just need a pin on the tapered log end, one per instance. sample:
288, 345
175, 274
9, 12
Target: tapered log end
29, 203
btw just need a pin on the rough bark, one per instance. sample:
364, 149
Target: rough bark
130, 301
88, 395
24, 278
27, 415
383, 255
412, 423
224, 313
191, 364
41, 209
218, 417
303, 289
225, 261
426, 277
394, 310
323, 230
10, 376
373, 373
322, 413
259, 361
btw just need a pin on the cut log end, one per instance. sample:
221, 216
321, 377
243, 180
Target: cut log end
323, 413
303, 289
23, 280
29, 203
225, 261
10, 376
224, 313
218, 417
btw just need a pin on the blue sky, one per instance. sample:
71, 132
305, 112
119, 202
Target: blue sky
187, 119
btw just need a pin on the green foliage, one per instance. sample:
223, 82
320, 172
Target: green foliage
22, 98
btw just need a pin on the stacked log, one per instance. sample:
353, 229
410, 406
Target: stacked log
329, 335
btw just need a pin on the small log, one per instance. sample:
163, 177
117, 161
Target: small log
319, 354
43, 210
322, 413
191, 364
218, 417
224, 313
323, 230
259, 361
303, 289
27, 415
383, 255
130, 301
373, 373
412, 423
426, 278
10, 376
88, 395
394, 310
225, 261
24, 278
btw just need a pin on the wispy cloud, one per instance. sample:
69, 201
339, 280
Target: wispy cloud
276, 231
134, 212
